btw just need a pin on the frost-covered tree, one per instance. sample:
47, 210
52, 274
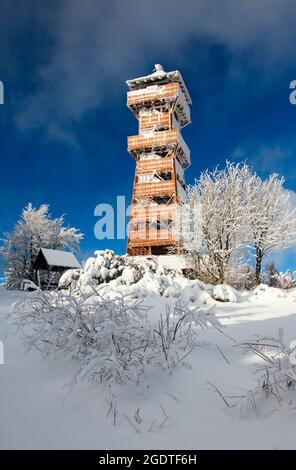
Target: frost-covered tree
213, 229
231, 214
34, 229
272, 218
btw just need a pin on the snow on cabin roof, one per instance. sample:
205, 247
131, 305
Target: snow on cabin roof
159, 76
65, 259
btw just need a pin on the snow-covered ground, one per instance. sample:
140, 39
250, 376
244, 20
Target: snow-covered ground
180, 410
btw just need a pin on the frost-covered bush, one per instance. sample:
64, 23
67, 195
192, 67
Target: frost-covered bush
102, 268
275, 377
102, 335
224, 293
275, 278
106, 266
112, 339
285, 280
69, 278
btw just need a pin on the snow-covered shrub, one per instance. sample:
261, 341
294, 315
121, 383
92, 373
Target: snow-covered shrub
103, 335
69, 278
106, 266
275, 278
275, 377
285, 280
224, 293
112, 339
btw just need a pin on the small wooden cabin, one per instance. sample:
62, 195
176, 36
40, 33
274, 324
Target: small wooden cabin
53, 263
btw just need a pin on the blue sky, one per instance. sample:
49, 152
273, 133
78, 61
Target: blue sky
64, 123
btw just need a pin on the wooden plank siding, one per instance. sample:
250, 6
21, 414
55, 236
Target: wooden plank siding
160, 164
156, 139
155, 189
153, 93
154, 121
147, 241
160, 212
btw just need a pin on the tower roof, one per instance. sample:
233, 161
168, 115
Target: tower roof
158, 77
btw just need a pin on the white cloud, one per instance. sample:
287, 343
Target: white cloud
276, 157
95, 42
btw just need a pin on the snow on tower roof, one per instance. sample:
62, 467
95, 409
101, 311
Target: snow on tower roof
159, 76
64, 259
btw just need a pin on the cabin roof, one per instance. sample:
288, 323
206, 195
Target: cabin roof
64, 259
159, 77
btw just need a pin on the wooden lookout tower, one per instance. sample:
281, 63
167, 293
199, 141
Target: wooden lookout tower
160, 101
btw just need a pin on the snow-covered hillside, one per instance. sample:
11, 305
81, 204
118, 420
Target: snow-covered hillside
181, 410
